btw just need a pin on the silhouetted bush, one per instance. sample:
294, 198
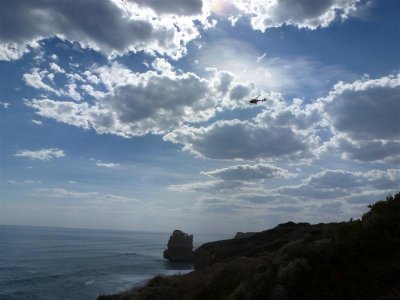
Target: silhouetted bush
356, 260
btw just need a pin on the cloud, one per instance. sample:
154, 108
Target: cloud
235, 179
88, 89
309, 14
43, 154
330, 184
366, 109
13, 51
26, 181
35, 80
107, 165
384, 151
5, 105
70, 194
364, 117
68, 112
91, 77
72, 92
56, 68
175, 7
112, 27
139, 103
37, 122
249, 172
244, 140
213, 186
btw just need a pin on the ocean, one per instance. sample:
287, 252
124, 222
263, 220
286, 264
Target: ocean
63, 263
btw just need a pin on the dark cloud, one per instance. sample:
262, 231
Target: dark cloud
366, 110
224, 80
177, 7
102, 25
365, 118
365, 151
301, 13
241, 139
239, 92
330, 184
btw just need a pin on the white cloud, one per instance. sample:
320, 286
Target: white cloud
43, 154
56, 68
37, 122
72, 92
107, 165
213, 186
13, 51
112, 27
30, 181
26, 181
35, 80
136, 103
4, 104
260, 58
68, 112
91, 77
91, 91
249, 172
75, 77
96, 196
309, 14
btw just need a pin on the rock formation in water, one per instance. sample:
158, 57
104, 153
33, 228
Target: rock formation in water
180, 247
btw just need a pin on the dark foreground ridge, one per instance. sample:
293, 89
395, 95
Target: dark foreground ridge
350, 260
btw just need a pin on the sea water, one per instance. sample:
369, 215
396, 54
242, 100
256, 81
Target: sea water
61, 263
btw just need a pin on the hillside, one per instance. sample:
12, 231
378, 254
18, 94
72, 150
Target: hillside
350, 260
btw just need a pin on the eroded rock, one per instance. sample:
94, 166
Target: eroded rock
180, 247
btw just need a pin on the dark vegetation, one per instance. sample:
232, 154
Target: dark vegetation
351, 260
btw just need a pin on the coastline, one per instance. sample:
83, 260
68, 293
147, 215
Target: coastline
358, 259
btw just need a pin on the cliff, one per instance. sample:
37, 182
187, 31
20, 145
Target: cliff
350, 260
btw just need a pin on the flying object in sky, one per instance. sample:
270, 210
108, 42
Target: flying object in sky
255, 100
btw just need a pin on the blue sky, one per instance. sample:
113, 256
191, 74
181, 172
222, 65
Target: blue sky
135, 115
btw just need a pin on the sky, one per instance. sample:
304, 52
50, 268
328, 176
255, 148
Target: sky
135, 115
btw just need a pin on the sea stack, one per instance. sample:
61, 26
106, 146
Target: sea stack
180, 247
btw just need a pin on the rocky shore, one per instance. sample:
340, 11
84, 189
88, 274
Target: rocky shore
350, 260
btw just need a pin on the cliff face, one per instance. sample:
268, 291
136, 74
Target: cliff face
350, 260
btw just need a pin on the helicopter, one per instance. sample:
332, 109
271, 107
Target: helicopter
255, 100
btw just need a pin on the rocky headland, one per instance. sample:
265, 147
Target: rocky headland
358, 259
